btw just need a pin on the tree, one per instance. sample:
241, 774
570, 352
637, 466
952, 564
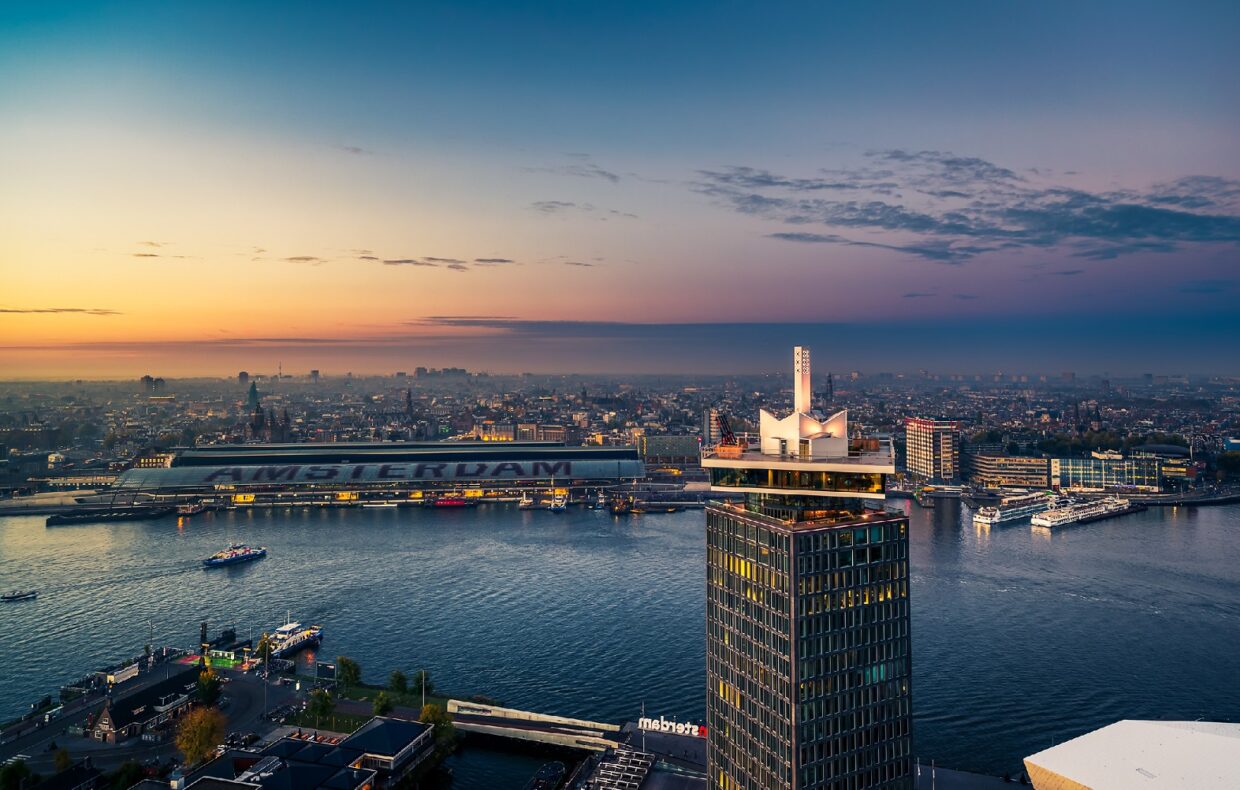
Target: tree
129, 774
264, 648
320, 706
398, 682
208, 688
348, 672
14, 775
200, 731
62, 760
440, 720
383, 704
422, 682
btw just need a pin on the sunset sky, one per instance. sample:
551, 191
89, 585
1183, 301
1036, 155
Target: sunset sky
196, 189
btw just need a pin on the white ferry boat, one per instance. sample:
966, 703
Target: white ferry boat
1014, 507
1081, 512
291, 637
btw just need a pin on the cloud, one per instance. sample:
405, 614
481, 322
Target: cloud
58, 310
555, 206
1206, 286
146, 255
304, 259
355, 150
577, 263
368, 258
916, 295
450, 261
407, 262
950, 209
458, 266
581, 169
493, 261
152, 243
624, 214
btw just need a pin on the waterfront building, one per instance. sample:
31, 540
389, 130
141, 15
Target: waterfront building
808, 656
1010, 471
669, 449
1159, 755
343, 473
1107, 470
933, 449
146, 710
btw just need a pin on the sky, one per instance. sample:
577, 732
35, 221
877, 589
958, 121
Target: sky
200, 188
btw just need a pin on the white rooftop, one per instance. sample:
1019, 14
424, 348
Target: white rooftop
1130, 755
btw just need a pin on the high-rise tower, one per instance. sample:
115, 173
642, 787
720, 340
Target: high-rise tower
807, 611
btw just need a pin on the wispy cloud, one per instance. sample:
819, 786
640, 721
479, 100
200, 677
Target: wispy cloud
917, 295
954, 208
152, 243
407, 262
58, 310
356, 150
458, 266
578, 263
556, 206
304, 259
582, 168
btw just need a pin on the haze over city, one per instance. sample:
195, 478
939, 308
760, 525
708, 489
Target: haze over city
193, 191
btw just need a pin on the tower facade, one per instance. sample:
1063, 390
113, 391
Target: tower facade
807, 610
933, 448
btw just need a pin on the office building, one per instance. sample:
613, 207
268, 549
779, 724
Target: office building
807, 611
710, 428
1107, 470
933, 449
1010, 471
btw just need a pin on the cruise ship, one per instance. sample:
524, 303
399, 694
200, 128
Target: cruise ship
1084, 512
291, 637
1015, 508
238, 552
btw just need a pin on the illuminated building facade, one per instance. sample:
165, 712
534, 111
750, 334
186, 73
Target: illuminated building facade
808, 656
933, 449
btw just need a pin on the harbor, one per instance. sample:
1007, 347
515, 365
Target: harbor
612, 621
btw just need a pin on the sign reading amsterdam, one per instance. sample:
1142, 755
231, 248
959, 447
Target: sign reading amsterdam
663, 725
377, 473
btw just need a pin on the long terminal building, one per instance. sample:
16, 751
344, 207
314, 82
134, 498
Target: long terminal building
349, 473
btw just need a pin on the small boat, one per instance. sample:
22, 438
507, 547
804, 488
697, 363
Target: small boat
20, 595
191, 509
621, 506
451, 501
527, 501
238, 552
379, 504
601, 502
559, 503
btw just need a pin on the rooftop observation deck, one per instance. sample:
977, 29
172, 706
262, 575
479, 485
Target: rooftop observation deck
871, 454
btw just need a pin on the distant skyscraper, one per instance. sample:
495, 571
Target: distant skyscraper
243, 378
251, 400
933, 448
807, 612
314, 376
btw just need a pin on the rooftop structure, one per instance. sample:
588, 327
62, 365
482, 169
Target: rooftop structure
1132, 754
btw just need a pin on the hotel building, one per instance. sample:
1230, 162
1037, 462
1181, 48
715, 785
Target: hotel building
807, 610
933, 449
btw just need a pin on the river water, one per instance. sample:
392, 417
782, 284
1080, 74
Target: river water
1021, 638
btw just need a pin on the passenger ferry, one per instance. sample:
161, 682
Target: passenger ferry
1015, 508
238, 552
1084, 512
559, 503
526, 502
291, 637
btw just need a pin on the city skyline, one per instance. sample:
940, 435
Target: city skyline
199, 190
